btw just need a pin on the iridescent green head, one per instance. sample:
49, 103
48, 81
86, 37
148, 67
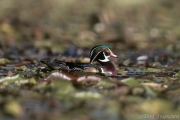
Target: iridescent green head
101, 53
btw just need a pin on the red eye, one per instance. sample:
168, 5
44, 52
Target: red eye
106, 50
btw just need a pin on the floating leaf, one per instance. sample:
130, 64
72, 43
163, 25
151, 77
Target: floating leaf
88, 80
153, 70
61, 75
10, 79
9, 73
173, 89
87, 95
4, 61
150, 92
177, 74
138, 91
131, 82
105, 83
157, 64
13, 108
155, 106
123, 90
63, 87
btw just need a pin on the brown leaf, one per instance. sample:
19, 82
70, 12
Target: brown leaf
9, 73
65, 75
88, 80
123, 90
61, 75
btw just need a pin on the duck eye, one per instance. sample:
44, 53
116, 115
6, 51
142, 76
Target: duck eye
107, 52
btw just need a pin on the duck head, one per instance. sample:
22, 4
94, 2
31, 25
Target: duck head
101, 54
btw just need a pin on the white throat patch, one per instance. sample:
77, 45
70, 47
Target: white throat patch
105, 58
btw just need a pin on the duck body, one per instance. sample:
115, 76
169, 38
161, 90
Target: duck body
70, 66
108, 68
99, 53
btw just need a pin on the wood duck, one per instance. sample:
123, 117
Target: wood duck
99, 53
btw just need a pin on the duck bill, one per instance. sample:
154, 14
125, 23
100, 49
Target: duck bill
113, 55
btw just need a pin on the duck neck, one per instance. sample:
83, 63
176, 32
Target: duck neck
104, 64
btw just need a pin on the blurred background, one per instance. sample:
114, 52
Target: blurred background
33, 30
71, 28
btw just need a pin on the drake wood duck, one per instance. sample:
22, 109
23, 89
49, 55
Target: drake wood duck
99, 53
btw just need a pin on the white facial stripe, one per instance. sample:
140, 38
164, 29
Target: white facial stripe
93, 50
96, 56
106, 58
